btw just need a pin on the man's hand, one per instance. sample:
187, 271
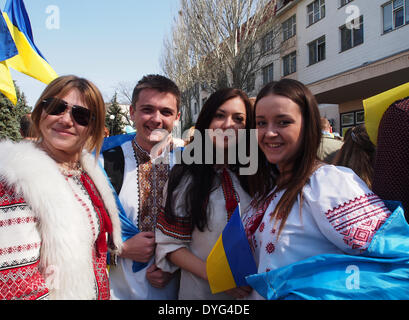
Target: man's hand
140, 247
158, 278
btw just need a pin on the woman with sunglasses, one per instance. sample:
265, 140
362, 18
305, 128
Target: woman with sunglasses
58, 213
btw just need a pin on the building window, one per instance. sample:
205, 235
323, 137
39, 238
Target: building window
395, 14
282, 3
317, 50
351, 119
315, 11
268, 73
267, 42
290, 63
344, 2
289, 28
351, 35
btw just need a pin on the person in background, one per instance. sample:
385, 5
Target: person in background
25, 127
58, 213
330, 144
138, 174
201, 197
358, 153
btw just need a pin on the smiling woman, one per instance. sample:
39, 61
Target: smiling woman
63, 197
302, 206
201, 197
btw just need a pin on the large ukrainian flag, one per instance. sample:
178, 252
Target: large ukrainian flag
231, 259
7, 50
29, 60
381, 272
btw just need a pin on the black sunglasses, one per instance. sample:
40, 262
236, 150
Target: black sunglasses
55, 106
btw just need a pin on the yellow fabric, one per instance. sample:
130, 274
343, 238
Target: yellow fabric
28, 61
218, 270
376, 106
6, 83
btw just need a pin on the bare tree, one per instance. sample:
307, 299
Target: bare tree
221, 42
123, 91
177, 66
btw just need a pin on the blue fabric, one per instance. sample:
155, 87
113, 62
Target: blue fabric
237, 249
115, 141
7, 46
380, 272
128, 231
128, 228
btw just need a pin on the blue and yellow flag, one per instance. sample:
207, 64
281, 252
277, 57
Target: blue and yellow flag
231, 259
29, 60
7, 50
376, 106
380, 273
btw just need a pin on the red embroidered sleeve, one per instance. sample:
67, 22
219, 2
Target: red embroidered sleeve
359, 219
20, 277
180, 228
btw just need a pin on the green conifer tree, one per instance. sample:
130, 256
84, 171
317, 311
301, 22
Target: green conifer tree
114, 119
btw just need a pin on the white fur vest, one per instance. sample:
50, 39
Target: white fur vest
66, 243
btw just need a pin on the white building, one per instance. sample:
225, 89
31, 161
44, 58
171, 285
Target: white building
343, 50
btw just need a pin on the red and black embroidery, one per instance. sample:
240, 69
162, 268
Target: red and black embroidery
103, 217
180, 229
358, 220
23, 282
230, 195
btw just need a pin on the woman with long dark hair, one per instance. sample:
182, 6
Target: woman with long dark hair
203, 195
303, 207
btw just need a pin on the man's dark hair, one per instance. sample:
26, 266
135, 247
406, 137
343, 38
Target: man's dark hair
157, 82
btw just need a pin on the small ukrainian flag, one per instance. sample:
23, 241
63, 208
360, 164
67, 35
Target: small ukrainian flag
231, 259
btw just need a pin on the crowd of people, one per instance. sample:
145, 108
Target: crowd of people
83, 217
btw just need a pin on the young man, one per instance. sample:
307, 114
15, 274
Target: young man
139, 181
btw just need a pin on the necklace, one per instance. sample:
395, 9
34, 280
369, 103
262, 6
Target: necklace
70, 169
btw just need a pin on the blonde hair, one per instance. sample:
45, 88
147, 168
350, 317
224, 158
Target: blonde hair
91, 96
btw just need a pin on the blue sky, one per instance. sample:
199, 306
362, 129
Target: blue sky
107, 42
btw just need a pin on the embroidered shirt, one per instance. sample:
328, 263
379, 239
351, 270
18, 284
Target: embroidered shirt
141, 196
101, 283
339, 214
20, 244
151, 179
171, 237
